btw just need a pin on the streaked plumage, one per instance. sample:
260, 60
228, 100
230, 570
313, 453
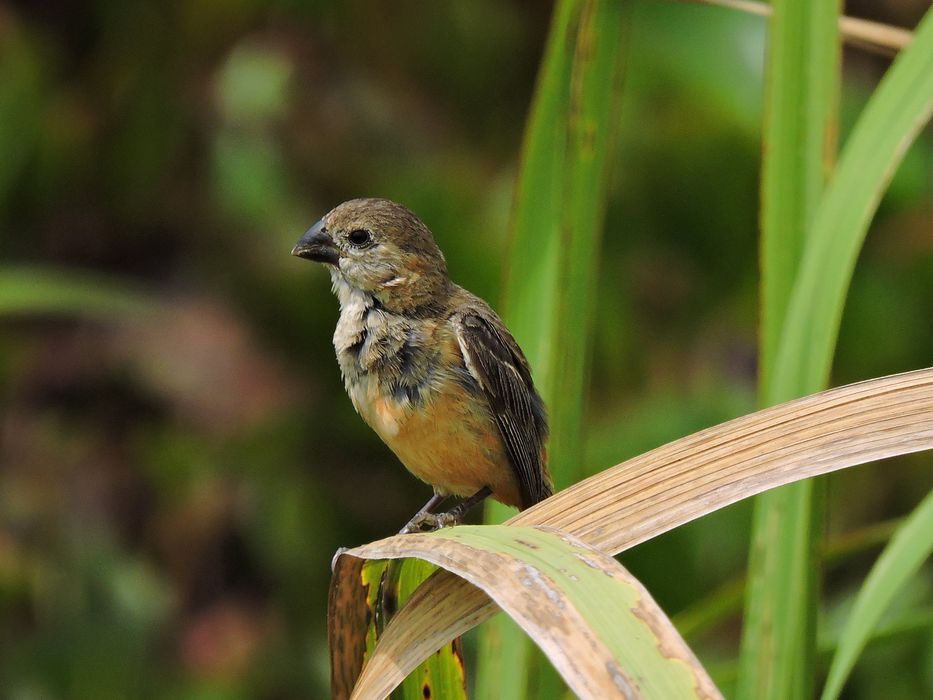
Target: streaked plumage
428, 365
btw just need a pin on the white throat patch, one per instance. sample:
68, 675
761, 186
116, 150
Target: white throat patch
353, 307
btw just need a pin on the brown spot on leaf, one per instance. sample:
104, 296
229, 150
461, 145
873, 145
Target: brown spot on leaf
626, 685
671, 646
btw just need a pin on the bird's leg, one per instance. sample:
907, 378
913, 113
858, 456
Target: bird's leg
452, 516
455, 514
425, 515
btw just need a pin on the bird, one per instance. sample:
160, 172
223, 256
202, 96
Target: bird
429, 366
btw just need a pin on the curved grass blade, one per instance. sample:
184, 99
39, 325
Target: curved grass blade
599, 627
911, 545
46, 290
679, 482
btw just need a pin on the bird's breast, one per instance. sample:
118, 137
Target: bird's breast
408, 380
391, 365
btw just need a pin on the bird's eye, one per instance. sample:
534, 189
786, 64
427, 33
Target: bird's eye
360, 238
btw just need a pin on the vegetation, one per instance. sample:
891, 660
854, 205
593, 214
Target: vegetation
178, 462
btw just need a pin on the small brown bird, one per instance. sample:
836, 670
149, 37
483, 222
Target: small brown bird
428, 365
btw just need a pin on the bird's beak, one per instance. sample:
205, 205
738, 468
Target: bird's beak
317, 245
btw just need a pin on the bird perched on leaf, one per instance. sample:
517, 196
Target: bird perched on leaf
428, 365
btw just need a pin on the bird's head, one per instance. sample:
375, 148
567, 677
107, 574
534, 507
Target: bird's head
380, 248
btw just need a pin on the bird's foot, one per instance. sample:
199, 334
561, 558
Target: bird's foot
429, 522
426, 521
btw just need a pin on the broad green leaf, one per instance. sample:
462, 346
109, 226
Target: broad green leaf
679, 482
598, 626
911, 545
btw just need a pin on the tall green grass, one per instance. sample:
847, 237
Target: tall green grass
814, 216
779, 637
798, 145
556, 230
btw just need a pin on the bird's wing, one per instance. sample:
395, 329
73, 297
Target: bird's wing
496, 362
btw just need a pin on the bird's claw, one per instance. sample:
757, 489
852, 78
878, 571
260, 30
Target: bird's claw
429, 522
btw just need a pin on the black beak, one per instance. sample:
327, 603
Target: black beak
317, 245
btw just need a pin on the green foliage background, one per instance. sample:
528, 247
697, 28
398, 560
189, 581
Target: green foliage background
178, 460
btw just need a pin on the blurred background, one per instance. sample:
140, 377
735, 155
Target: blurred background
178, 459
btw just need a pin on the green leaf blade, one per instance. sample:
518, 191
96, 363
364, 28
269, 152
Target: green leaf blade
892, 119
596, 623
801, 96
556, 230
910, 546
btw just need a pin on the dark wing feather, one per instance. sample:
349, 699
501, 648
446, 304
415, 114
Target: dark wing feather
494, 359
